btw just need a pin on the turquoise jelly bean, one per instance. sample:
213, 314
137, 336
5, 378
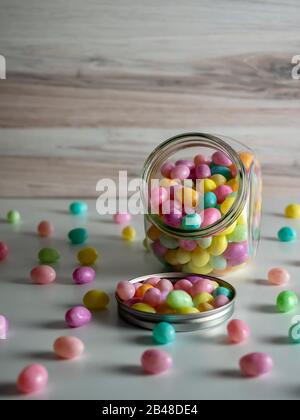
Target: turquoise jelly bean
78, 236
222, 170
239, 234
218, 263
164, 333
294, 333
210, 200
222, 291
287, 234
168, 241
78, 207
191, 221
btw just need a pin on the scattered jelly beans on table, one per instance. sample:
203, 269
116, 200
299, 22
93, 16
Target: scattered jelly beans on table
43, 274
68, 347
3, 251
84, 275
278, 276
156, 361
13, 217
48, 256
287, 234
78, 316
287, 301
238, 331
87, 256
292, 211
3, 327
32, 379
122, 218
78, 236
96, 299
45, 229
256, 364
78, 208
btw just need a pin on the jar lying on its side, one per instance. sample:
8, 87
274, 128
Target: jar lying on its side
202, 196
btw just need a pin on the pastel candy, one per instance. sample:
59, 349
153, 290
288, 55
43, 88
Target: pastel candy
3, 327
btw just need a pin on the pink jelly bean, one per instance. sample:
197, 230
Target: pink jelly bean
78, 316
152, 297
202, 171
166, 169
43, 274
193, 278
238, 261
32, 379
278, 276
192, 174
220, 158
180, 172
122, 218
3, 327
201, 286
158, 196
158, 248
125, 290
236, 250
183, 284
3, 251
187, 245
152, 280
222, 192
67, 347
256, 364
45, 229
165, 285
238, 331
220, 301
200, 159
189, 163
210, 216
84, 275
172, 219
156, 361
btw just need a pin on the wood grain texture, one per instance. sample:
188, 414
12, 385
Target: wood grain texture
92, 87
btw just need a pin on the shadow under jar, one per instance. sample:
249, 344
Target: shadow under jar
202, 199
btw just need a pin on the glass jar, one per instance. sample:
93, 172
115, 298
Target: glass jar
215, 203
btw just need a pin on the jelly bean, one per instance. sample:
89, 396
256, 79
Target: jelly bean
146, 245
173, 219
201, 286
45, 229
215, 284
222, 291
247, 159
287, 301
205, 306
158, 196
166, 169
218, 262
221, 159
125, 290
292, 211
180, 172
202, 171
210, 200
210, 216
129, 233
84, 275
278, 276
168, 241
187, 245
189, 163
209, 185
156, 361
222, 170
218, 246
199, 160
191, 221
222, 192
206, 269
3, 327
142, 290
203, 297
256, 364
238, 261
220, 301
165, 285
153, 233
171, 257
164, 309
183, 257
13, 217
238, 331
218, 179
43, 274
3, 251
78, 316
227, 203
200, 257
158, 249
122, 218
48, 256
87, 256
240, 234
294, 333
287, 234
236, 250
137, 285
179, 299
96, 300
143, 307
78, 236
33, 378
193, 278
187, 196
153, 280
164, 333
68, 347
184, 285
152, 297
188, 310
78, 207
205, 242
233, 184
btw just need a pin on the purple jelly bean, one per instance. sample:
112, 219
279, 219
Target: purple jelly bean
172, 219
238, 261
236, 250
166, 169
189, 163
203, 171
84, 275
3, 327
78, 316
180, 172
221, 159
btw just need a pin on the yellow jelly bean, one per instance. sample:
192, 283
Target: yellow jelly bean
209, 185
187, 196
153, 233
191, 268
218, 246
129, 233
200, 257
183, 256
167, 183
233, 184
187, 311
242, 220
218, 179
227, 204
247, 159
292, 211
171, 257
96, 299
202, 298
215, 284
229, 230
87, 256
204, 307
143, 307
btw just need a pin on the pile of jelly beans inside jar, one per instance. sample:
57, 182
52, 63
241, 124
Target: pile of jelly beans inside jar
195, 194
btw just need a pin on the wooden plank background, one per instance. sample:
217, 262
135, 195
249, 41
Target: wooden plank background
93, 86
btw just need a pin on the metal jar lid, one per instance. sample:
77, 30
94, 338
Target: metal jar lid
189, 322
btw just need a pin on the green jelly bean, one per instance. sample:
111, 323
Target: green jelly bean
240, 234
179, 299
221, 170
168, 241
78, 207
48, 256
78, 236
13, 217
205, 242
287, 301
218, 263
287, 234
294, 333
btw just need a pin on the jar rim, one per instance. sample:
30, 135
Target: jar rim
170, 146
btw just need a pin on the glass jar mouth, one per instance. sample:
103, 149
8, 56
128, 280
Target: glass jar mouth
188, 140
